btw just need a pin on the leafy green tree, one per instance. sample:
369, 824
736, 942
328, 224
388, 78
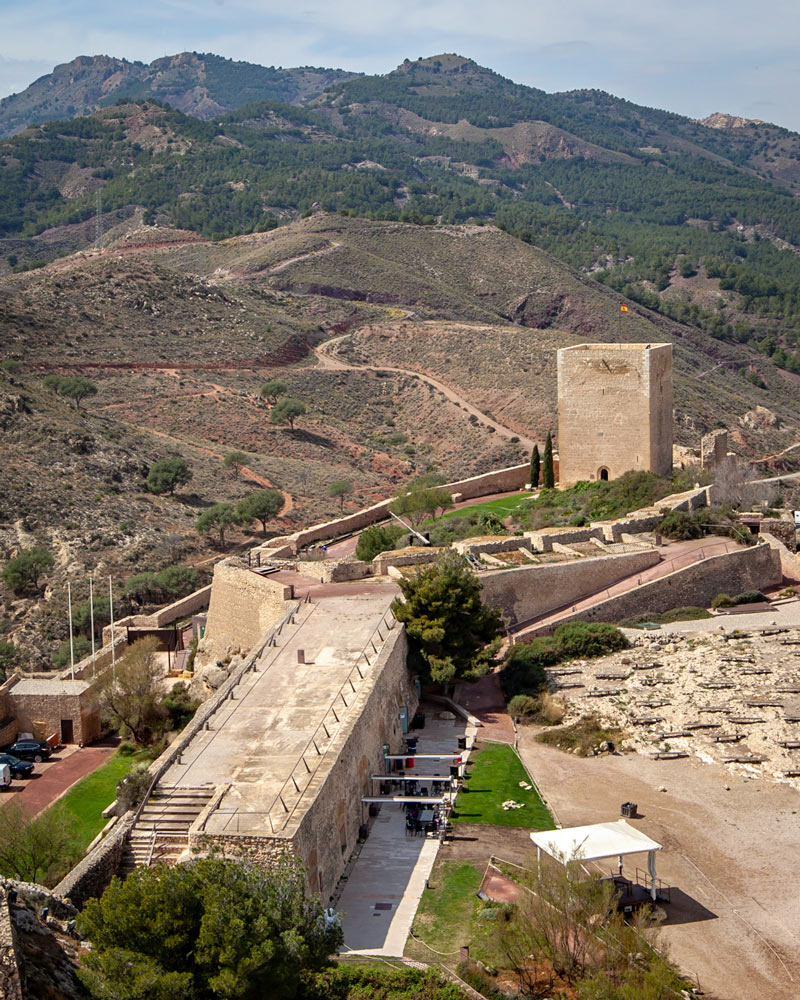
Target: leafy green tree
376, 539
217, 518
10, 657
22, 572
77, 389
52, 381
214, 929
177, 581
287, 411
80, 647
339, 490
263, 506
419, 502
131, 694
82, 615
272, 389
548, 474
166, 474
536, 463
38, 849
234, 461
451, 632
143, 588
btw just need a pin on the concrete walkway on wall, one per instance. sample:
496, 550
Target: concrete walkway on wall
676, 556
260, 734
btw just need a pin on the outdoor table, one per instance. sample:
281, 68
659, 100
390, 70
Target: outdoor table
425, 816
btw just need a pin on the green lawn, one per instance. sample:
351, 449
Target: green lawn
500, 508
87, 800
495, 778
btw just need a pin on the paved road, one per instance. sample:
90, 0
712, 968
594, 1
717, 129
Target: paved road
55, 777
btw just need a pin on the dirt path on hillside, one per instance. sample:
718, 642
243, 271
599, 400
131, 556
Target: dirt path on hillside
328, 360
303, 256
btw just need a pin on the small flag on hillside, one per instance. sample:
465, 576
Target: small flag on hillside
623, 308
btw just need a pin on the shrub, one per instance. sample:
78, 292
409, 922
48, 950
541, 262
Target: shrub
722, 601
21, 573
748, 597
545, 710
377, 539
524, 670
588, 639
80, 647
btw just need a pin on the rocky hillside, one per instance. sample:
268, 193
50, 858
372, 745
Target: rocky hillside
198, 84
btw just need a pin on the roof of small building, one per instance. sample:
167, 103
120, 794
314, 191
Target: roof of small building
49, 686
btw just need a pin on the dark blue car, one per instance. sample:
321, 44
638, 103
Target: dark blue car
30, 750
19, 768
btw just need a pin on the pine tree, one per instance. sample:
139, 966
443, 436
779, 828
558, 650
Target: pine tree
536, 463
548, 476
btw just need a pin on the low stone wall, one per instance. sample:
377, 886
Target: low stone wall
531, 591
514, 477
778, 528
543, 540
612, 531
243, 606
790, 561
10, 977
333, 570
752, 568
488, 546
94, 872
382, 561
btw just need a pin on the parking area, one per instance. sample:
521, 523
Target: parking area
54, 777
384, 885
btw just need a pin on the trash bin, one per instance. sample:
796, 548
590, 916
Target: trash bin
628, 810
462, 742
374, 808
418, 722
363, 832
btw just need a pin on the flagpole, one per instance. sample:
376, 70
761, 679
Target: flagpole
71, 647
91, 618
113, 645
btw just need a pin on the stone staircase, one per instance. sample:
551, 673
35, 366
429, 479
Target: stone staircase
161, 833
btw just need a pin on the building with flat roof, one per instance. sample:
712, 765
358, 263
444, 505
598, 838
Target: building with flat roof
614, 410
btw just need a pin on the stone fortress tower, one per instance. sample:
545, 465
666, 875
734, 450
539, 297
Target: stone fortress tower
614, 410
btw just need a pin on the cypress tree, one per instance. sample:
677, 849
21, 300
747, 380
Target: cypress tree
548, 476
535, 466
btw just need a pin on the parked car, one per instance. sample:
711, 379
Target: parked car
5, 777
30, 750
19, 768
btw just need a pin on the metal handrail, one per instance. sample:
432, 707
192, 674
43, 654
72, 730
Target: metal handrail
388, 621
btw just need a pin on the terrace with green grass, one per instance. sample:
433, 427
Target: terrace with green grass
498, 776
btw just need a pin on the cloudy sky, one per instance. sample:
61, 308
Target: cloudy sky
689, 56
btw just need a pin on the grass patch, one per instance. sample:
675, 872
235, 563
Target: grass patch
583, 736
495, 778
449, 916
87, 800
501, 507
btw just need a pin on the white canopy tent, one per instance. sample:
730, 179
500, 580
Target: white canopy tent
598, 841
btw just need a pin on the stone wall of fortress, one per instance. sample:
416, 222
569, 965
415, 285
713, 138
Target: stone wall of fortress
530, 591
323, 828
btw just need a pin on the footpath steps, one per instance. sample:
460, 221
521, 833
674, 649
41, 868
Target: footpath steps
161, 833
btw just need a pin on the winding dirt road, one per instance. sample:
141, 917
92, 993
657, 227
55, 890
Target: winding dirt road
327, 359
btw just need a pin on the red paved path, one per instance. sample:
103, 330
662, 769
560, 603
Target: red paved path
484, 699
56, 777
